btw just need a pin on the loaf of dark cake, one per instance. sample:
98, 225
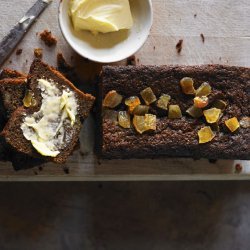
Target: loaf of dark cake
176, 137
13, 133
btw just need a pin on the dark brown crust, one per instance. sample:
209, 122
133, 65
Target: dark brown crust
12, 131
9, 73
177, 138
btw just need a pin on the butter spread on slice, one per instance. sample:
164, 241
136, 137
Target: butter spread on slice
101, 15
45, 128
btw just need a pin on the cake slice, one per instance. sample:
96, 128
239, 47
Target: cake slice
217, 128
49, 126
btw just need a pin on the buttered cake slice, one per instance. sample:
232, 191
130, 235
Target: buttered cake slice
49, 123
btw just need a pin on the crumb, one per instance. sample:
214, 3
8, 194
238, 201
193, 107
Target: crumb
154, 47
10, 61
66, 170
202, 37
19, 52
220, 58
48, 38
195, 15
40, 168
138, 60
35, 172
26, 61
37, 33
213, 161
131, 60
238, 168
38, 53
82, 154
179, 46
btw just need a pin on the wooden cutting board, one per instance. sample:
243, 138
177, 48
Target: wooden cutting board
225, 25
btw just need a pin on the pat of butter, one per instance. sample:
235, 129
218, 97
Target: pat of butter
45, 128
101, 15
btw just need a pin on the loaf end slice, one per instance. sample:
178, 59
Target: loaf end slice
13, 132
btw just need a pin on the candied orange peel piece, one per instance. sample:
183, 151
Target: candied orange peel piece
124, 119
187, 85
139, 123
205, 135
204, 90
212, 115
112, 99
148, 96
194, 112
150, 122
220, 104
28, 100
144, 123
174, 112
141, 110
232, 124
132, 102
200, 101
245, 122
163, 101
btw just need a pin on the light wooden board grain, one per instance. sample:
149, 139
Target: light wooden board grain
225, 25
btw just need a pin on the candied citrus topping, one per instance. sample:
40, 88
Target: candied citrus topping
144, 123
124, 119
232, 124
187, 85
150, 122
195, 112
28, 100
205, 135
212, 115
132, 102
200, 102
204, 90
139, 123
219, 104
245, 122
174, 112
112, 99
163, 101
111, 115
141, 110
148, 96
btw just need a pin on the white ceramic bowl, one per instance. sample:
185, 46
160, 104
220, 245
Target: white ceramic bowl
110, 47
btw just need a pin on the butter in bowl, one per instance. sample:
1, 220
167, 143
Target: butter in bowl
106, 30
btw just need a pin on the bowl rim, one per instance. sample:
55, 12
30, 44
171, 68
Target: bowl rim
61, 26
